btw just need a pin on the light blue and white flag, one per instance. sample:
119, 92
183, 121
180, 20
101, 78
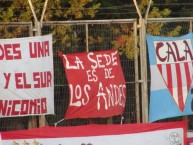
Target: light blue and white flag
171, 66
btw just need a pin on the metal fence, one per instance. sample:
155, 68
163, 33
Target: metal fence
95, 35
86, 36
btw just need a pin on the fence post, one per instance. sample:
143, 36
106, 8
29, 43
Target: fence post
191, 26
41, 118
86, 29
136, 72
143, 63
37, 28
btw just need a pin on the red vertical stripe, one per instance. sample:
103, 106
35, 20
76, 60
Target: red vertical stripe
169, 78
188, 76
192, 73
179, 85
160, 68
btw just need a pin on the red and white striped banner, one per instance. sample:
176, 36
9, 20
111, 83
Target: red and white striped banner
170, 133
178, 78
190, 138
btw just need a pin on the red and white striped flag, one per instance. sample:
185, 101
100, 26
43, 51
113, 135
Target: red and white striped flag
178, 78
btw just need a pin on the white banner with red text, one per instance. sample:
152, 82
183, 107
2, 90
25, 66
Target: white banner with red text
26, 76
170, 133
96, 83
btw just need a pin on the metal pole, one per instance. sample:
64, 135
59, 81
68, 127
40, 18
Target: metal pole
191, 26
145, 99
43, 12
86, 27
41, 118
32, 123
33, 12
136, 72
147, 11
137, 8
136, 62
144, 72
143, 62
31, 30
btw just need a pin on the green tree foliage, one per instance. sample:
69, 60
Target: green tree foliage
116, 9
81, 8
57, 10
19, 10
179, 8
125, 42
158, 28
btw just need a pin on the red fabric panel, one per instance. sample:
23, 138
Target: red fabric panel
92, 130
96, 84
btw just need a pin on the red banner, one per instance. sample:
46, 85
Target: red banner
96, 84
169, 133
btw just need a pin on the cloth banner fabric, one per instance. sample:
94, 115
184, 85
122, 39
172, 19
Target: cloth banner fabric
190, 138
0, 140
190, 141
171, 76
170, 133
26, 76
96, 83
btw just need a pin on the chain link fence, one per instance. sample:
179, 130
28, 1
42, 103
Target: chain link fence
96, 35
87, 36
